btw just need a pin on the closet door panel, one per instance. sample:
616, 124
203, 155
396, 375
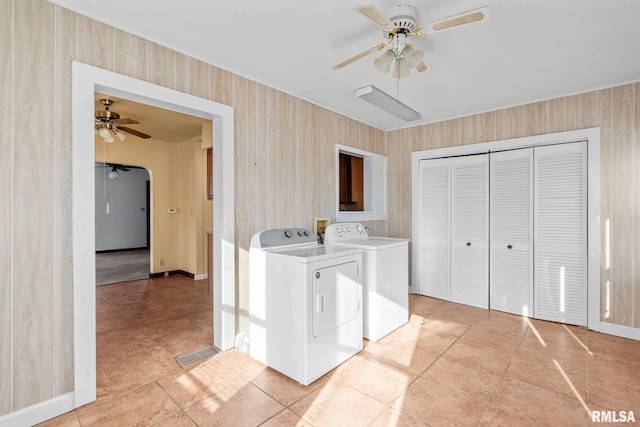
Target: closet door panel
560, 233
469, 229
434, 264
511, 206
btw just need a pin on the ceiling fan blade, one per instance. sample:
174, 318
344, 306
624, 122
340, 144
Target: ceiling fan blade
361, 55
126, 121
134, 132
373, 14
476, 15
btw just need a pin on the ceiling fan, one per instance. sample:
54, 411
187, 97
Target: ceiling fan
115, 167
108, 123
399, 24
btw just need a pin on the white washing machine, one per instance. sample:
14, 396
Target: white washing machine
305, 303
385, 282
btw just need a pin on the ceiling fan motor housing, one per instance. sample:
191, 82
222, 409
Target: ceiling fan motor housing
404, 17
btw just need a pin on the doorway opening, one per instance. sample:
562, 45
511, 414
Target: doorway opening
122, 212
86, 81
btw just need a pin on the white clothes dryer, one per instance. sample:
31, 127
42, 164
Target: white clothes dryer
305, 303
385, 283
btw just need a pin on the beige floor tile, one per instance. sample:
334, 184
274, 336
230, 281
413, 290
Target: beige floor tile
435, 404
204, 380
375, 378
282, 388
70, 419
127, 379
574, 356
129, 357
142, 406
242, 364
286, 418
493, 359
185, 341
423, 306
520, 403
560, 335
336, 404
613, 392
177, 420
506, 341
404, 352
391, 417
462, 313
169, 325
551, 375
248, 406
445, 325
474, 380
609, 347
203, 318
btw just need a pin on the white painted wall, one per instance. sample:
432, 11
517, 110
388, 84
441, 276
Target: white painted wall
125, 226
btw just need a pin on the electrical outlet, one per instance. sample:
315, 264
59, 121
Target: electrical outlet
241, 218
162, 261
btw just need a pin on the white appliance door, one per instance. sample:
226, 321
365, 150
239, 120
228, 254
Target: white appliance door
469, 229
560, 233
511, 263
335, 297
433, 257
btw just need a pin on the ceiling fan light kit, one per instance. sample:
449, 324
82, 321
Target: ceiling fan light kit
388, 103
109, 124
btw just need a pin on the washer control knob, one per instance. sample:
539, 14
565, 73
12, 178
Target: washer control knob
359, 228
300, 233
348, 229
288, 234
306, 232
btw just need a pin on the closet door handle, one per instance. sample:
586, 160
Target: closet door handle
468, 243
509, 246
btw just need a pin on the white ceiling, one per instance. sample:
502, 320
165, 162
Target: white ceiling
527, 51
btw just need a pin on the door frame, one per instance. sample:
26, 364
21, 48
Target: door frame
592, 136
86, 80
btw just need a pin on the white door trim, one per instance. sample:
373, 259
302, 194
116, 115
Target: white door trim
86, 80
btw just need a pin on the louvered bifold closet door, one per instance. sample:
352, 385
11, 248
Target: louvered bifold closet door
469, 230
433, 258
511, 223
560, 233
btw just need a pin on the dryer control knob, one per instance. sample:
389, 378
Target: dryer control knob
306, 232
287, 234
359, 228
300, 233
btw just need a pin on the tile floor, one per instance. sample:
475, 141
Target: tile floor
450, 365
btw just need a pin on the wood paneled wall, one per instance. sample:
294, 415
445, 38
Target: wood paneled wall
617, 112
284, 174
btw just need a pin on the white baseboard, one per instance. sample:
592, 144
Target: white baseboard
620, 330
39, 412
200, 276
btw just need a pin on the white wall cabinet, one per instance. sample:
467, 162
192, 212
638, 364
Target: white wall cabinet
507, 231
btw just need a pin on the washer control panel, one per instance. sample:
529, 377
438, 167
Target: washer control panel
345, 231
283, 237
